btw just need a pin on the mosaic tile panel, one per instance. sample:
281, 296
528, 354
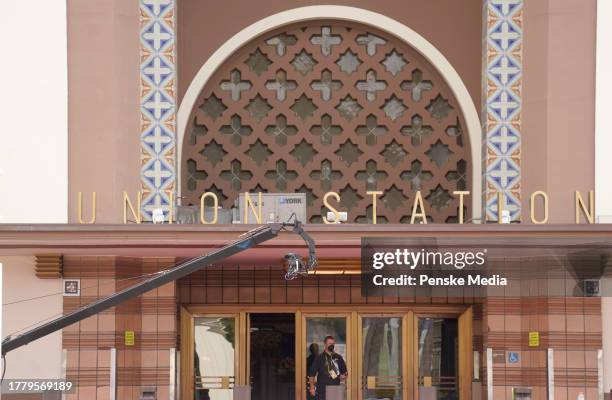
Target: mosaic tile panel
502, 105
329, 106
157, 103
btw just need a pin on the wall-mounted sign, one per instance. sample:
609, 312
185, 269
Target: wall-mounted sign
129, 338
72, 287
513, 357
252, 208
534, 339
499, 356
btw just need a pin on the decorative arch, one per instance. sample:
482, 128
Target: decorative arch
376, 96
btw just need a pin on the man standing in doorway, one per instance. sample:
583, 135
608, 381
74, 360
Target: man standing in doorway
328, 369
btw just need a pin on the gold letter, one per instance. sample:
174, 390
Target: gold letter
418, 203
461, 194
248, 203
215, 205
128, 203
331, 208
80, 208
170, 206
590, 214
374, 193
532, 206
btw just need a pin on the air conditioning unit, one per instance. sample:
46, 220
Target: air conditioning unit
275, 207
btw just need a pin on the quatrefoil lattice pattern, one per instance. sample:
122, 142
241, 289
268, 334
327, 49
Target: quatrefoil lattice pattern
330, 106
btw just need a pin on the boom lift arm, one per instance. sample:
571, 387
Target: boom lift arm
250, 239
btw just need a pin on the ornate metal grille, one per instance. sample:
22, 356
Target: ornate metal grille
329, 106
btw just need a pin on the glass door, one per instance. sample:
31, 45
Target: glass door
382, 349
438, 358
316, 329
393, 354
272, 356
215, 357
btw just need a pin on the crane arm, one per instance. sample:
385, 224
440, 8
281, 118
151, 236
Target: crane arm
246, 241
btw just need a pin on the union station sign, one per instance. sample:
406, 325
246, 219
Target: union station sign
583, 205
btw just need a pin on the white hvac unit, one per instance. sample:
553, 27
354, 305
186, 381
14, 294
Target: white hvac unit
275, 207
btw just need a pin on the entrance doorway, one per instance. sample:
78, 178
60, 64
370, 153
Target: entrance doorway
399, 353
316, 328
272, 356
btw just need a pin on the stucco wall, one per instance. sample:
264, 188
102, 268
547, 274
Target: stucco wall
205, 26
558, 103
41, 358
603, 123
33, 155
104, 110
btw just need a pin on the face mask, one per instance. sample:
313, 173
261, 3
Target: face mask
330, 348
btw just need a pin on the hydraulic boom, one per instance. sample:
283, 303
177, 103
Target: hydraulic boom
250, 239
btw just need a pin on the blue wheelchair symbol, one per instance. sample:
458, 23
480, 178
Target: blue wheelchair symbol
513, 357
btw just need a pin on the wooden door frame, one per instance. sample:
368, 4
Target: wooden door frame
187, 323
353, 313
465, 320
350, 347
407, 318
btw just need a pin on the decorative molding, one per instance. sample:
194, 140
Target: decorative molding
502, 99
157, 103
49, 266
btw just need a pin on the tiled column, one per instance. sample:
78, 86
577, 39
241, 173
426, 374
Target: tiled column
567, 324
157, 103
88, 342
502, 80
152, 318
